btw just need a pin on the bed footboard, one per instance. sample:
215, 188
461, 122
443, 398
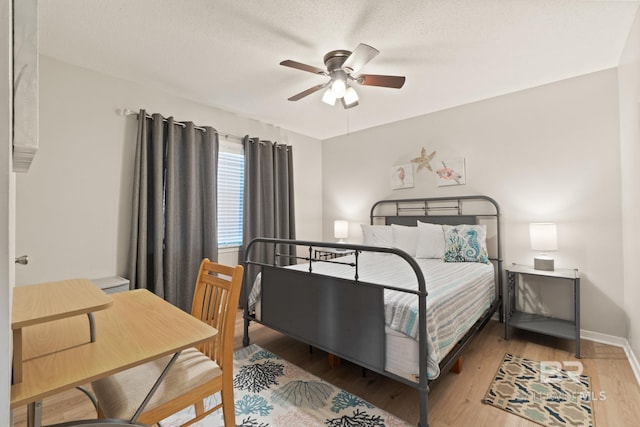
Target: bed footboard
336, 315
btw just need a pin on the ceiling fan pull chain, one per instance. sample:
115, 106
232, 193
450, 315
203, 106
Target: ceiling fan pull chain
348, 129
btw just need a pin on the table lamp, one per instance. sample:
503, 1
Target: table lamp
341, 230
544, 238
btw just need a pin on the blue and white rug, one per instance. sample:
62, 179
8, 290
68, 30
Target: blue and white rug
271, 392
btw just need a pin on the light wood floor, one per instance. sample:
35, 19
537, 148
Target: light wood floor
455, 401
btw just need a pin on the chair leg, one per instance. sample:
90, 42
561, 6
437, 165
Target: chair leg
228, 404
99, 411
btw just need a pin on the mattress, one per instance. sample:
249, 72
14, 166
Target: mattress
459, 293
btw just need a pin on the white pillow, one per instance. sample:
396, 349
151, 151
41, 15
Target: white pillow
430, 241
376, 235
405, 238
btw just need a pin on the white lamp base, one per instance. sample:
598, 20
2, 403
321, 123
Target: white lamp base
543, 263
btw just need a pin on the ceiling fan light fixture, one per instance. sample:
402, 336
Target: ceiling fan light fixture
341, 65
328, 97
346, 107
338, 87
350, 97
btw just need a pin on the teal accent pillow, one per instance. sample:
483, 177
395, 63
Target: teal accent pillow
465, 243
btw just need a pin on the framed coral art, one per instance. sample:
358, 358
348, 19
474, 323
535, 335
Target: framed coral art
402, 176
451, 172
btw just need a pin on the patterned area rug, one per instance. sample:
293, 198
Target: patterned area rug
270, 391
542, 392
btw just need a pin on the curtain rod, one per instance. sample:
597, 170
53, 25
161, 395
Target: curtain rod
127, 112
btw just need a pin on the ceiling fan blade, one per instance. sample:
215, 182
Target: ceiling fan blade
395, 82
308, 92
304, 67
359, 57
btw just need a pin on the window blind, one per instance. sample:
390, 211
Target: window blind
230, 196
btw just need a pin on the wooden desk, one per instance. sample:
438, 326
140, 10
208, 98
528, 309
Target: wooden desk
137, 328
46, 302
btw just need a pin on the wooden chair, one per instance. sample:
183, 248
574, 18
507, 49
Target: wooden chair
196, 374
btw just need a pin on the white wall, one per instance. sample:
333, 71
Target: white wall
629, 84
550, 153
7, 186
73, 207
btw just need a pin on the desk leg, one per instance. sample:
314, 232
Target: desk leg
17, 356
153, 389
92, 327
34, 414
576, 305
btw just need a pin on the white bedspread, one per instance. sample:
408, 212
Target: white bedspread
459, 293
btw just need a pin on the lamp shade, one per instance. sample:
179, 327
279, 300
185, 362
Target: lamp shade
338, 87
543, 236
341, 229
329, 97
350, 96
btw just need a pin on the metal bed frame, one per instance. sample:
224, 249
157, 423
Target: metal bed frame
346, 317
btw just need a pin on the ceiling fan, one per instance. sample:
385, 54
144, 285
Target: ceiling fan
342, 69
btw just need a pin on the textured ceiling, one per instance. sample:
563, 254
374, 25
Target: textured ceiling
226, 53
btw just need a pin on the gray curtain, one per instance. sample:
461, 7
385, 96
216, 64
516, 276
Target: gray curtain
174, 223
268, 201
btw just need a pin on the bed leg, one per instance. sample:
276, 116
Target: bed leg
457, 366
245, 338
334, 360
423, 420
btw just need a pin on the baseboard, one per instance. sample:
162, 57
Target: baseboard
618, 342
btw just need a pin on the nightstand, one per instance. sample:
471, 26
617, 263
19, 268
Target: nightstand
536, 322
330, 253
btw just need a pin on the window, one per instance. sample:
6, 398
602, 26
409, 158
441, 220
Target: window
230, 194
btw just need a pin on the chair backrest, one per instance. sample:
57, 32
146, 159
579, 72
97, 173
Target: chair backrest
215, 301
